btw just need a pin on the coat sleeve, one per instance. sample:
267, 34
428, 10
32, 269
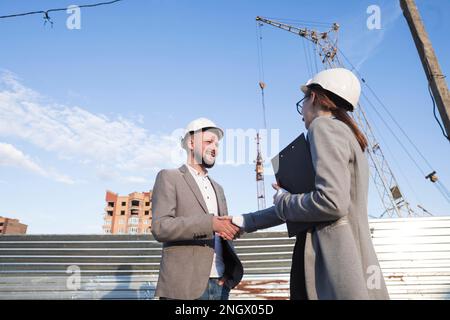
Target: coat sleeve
331, 154
166, 225
262, 219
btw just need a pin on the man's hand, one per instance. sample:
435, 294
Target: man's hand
224, 227
240, 230
222, 281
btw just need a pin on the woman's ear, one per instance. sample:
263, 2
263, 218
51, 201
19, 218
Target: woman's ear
312, 96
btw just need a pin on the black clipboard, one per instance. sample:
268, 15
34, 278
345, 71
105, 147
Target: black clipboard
294, 172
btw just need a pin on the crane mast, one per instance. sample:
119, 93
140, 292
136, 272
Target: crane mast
260, 175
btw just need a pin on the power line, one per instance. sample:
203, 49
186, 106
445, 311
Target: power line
434, 114
438, 184
46, 12
397, 124
393, 134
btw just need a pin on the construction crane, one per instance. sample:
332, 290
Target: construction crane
259, 161
393, 200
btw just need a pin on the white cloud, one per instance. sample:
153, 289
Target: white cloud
114, 147
12, 157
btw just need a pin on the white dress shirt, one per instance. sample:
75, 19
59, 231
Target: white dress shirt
209, 195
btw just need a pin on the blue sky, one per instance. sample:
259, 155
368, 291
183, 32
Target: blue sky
83, 111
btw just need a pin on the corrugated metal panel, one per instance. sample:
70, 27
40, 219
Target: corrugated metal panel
414, 254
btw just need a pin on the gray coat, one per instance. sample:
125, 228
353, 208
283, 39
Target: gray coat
340, 260
182, 223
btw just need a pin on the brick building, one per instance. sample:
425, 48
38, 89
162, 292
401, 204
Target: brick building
12, 226
131, 214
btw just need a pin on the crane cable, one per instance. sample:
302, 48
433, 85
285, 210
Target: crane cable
308, 64
261, 83
397, 164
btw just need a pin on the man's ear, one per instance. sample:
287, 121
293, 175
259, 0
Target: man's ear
190, 142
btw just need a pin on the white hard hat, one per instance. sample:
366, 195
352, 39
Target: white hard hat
341, 82
201, 124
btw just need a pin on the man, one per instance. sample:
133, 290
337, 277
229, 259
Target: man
189, 218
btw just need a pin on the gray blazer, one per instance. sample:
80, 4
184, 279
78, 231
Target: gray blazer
340, 260
182, 223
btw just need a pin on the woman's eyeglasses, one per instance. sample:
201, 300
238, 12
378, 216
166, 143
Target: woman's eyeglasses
300, 105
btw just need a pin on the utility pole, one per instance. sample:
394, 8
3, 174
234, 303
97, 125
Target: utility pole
436, 79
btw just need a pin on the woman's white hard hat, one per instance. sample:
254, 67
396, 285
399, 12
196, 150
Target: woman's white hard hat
341, 82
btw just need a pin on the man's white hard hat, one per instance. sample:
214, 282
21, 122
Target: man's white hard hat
341, 82
199, 125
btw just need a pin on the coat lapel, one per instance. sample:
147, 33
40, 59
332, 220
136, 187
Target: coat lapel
194, 187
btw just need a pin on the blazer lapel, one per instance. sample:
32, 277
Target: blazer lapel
194, 187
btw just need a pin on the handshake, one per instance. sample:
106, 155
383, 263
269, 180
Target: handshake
225, 228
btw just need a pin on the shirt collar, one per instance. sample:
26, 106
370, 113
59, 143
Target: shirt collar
194, 172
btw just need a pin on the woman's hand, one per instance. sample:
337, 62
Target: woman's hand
276, 187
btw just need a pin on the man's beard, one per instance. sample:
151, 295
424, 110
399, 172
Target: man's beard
208, 165
205, 163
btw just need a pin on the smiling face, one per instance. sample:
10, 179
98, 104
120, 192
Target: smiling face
204, 147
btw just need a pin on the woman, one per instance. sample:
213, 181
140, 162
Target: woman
335, 258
